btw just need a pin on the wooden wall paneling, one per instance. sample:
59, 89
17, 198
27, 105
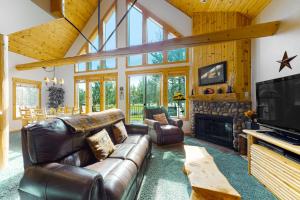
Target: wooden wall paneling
236, 53
4, 101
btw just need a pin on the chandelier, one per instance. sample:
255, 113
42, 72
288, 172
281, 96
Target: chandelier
54, 80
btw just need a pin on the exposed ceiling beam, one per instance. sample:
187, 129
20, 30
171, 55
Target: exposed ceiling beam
246, 32
57, 8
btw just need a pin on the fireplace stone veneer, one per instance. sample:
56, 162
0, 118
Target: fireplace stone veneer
231, 109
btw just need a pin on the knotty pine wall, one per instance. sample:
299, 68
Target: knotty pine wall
236, 53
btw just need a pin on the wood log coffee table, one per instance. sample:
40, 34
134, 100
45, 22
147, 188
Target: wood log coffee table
207, 182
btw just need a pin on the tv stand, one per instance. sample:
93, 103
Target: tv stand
281, 136
274, 169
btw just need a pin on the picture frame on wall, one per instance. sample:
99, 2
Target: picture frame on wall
213, 74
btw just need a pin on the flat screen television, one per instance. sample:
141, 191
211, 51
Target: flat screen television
278, 104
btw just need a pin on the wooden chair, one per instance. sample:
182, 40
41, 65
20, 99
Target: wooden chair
27, 116
60, 111
69, 110
40, 114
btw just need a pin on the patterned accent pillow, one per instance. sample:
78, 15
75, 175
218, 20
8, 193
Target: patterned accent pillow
120, 132
161, 118
101, 145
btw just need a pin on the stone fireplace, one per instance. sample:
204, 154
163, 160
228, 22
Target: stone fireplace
234, 110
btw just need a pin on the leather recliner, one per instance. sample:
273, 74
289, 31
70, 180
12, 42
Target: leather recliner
163, 134
60, 165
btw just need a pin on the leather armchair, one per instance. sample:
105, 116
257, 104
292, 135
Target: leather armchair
163, 134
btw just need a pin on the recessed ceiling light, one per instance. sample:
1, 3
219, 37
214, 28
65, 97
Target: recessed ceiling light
203, 1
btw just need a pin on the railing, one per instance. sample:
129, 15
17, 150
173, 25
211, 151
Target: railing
136, 113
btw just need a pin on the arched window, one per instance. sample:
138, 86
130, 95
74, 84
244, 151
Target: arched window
143, 27
108, 25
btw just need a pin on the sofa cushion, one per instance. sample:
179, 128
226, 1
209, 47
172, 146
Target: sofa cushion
122, 150
134, 152
105, 166
118, 181
120, 133
132, 139
101, 145
80, 158
139, 152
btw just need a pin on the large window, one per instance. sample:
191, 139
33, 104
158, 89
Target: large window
108, 25
154, 88
135, 34
110, 94
143, 27
81, 95
155, 33
96, 93
26, 95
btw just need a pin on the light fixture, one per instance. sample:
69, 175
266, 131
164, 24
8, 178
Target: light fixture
203, 1
54, 79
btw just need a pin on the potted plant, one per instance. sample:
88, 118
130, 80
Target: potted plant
251, 122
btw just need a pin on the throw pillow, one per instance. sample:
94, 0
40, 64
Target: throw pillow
161, 118
120, 132
101, 145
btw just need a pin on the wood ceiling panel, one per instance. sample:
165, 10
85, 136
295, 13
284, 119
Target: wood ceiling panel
250, 8
53, 40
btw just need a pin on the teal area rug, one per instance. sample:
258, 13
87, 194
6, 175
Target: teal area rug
164, 179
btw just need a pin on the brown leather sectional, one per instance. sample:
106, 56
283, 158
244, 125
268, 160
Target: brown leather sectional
60, 165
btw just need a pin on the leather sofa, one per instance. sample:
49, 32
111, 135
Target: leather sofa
163, 134
60, 165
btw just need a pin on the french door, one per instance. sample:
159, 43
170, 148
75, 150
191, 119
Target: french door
144, 91
96, 93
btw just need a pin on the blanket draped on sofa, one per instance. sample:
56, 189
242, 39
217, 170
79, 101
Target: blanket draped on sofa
93, 121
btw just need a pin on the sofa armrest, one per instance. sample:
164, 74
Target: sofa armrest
57, 181
140, 129
152, 124
176, 122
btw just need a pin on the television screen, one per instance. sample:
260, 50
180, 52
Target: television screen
278, 103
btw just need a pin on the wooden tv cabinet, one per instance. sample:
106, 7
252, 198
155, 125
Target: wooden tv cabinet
278, 173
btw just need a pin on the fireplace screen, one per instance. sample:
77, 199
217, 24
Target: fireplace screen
216, 129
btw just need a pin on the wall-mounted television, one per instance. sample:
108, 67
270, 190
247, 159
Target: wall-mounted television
278, 104
212, 74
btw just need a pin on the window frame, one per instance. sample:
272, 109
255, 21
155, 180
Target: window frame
15, 81
166, 73
96, 77
166, 30
94, 34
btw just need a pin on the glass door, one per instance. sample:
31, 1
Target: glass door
94, 96
144, 91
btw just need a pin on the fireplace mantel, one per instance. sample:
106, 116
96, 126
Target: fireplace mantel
229, 97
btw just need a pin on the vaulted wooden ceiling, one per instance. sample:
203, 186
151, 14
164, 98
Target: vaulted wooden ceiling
250, 8
53, 40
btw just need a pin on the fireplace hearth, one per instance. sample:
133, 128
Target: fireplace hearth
216, 129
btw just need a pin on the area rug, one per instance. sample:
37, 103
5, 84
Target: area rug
164, 179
